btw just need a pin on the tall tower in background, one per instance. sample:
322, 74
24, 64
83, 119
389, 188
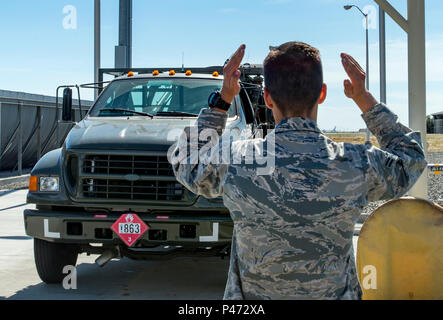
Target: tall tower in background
123, 52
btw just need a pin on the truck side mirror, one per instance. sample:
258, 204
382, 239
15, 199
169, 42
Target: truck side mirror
67, 105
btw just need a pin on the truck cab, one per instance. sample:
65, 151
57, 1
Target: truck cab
114, 162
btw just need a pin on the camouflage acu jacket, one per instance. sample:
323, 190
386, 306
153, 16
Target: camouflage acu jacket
293, 224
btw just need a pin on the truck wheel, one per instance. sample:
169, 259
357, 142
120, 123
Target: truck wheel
51, 258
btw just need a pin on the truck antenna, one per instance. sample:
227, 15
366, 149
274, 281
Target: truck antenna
183, 61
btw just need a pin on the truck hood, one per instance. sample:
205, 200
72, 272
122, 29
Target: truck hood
135, 133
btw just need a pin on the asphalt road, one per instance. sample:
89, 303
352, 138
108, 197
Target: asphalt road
181, 278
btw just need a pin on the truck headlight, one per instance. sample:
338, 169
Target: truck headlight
49, 184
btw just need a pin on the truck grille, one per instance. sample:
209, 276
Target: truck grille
123, 165
129, 177
137, 190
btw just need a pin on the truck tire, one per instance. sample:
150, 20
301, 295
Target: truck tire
51, 258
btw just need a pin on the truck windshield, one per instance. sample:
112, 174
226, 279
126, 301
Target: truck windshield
162, 97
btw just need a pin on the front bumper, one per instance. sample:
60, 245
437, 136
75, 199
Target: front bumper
190, 230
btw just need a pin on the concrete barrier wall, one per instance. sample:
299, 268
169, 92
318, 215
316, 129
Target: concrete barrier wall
29, 127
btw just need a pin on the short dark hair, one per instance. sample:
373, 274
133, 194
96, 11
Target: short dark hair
294, 76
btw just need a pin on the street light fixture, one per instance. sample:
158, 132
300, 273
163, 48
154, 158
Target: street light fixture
348, 7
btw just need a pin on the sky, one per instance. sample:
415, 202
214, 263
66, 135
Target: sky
42, 48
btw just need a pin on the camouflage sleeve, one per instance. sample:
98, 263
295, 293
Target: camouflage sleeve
392, 170
196, 159
233, 290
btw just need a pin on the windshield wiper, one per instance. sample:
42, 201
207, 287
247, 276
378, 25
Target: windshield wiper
176, 113
130, 111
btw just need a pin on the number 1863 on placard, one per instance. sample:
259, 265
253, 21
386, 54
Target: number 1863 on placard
129, 228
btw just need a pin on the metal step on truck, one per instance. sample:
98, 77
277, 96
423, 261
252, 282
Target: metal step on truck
110, 190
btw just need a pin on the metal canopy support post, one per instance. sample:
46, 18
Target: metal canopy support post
123, 52
414, 26
97, 44
417, 81
393, 13
368, 133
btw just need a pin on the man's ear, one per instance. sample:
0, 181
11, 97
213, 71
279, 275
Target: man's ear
268, 99
323, 94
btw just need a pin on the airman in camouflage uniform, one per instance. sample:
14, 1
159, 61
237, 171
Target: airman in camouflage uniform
293, 227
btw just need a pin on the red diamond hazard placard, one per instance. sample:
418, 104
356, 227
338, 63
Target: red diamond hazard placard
129, 227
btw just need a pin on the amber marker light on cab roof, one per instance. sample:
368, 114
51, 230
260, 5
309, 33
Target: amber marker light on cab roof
155, 73
33, 183
188, 73
215, 74
130, 74
172, 73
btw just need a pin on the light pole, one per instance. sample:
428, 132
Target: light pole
348, 7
